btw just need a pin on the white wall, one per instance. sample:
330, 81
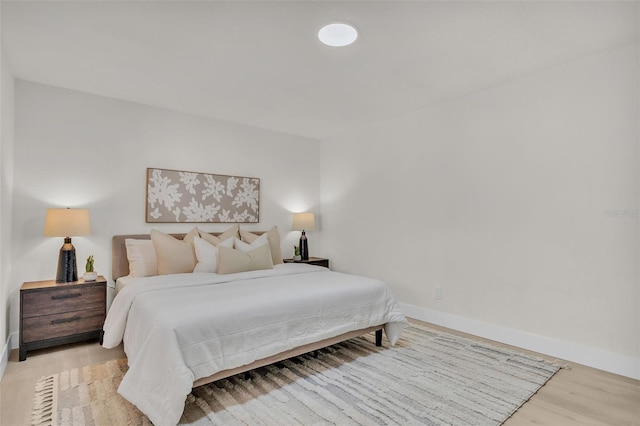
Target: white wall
507, 199
499, 198
79, 150
6, 183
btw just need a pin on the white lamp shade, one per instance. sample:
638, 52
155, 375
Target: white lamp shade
304, 222
67, 223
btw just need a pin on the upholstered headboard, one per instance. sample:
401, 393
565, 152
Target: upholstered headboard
119, 262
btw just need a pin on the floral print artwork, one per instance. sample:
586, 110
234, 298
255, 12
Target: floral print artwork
175, 196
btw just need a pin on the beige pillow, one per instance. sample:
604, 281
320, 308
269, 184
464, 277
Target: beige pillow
174, 256
142, 258
215, 240
274, 243
232, 261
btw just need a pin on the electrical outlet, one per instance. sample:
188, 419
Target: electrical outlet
438, 293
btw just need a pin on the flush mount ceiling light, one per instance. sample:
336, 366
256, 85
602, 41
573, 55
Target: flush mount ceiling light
337, 35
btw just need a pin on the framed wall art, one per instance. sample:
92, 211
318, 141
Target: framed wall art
175, 196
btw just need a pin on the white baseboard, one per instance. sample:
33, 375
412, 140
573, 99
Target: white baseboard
10, 344
596, 358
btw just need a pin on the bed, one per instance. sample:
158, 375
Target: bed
184, 330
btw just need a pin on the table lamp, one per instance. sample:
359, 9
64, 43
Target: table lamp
67, 223
302, 222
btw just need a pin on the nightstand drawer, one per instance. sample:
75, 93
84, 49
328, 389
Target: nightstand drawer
63, 324
58, 300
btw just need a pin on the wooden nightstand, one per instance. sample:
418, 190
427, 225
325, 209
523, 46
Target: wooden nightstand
312, 261
57, 313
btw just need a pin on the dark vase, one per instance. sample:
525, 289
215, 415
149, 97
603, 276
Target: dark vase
304, 247
67, 265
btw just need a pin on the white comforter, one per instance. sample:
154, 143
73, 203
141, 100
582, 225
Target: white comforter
180, 328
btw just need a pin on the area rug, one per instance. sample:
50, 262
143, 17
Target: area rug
428, 378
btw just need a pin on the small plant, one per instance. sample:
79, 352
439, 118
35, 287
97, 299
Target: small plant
89, 267
296, 250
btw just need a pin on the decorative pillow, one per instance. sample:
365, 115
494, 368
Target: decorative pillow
232, 261
274, 243
262, 240
174, 256
215, 240
142, 258
207, 254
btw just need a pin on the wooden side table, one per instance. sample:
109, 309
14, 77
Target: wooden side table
54, 314
312, 261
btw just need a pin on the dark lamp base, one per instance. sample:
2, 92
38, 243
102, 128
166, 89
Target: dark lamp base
304, 246
67, 265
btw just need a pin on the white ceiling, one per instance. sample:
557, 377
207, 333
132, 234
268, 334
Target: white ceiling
260, 63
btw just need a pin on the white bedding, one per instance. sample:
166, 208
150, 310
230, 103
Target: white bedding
179, 328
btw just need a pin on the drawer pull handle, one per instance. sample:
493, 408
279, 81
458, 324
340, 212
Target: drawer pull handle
66, 296
64, 320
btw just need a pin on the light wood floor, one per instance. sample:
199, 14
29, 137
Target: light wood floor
576, 396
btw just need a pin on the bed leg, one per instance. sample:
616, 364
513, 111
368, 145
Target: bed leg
379, 337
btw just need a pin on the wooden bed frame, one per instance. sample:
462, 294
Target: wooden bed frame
120, 268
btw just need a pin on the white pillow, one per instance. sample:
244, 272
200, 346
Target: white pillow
141, 255
207, 254
262, 240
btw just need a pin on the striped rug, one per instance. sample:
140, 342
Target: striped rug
428, 378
